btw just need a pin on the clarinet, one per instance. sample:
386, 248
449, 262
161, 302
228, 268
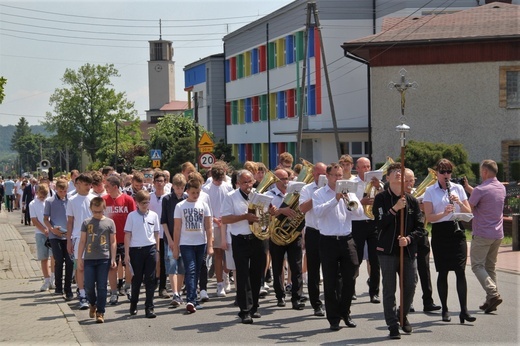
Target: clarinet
448, 185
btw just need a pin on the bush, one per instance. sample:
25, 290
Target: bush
500, 174
420, 156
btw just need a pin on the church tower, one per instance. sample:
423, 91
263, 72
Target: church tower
161, 78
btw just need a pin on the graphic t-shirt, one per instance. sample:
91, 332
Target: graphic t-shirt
192, 216
118, 210
98, 237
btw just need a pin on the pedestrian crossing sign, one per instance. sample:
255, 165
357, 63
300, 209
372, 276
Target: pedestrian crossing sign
155, 154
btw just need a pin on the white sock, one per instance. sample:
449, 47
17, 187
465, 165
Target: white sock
82, 293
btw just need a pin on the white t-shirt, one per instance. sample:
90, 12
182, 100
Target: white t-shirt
36, 208
156, 205
79, 207
192, 215
142, 227
216, 196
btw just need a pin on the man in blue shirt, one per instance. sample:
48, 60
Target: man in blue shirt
9, 193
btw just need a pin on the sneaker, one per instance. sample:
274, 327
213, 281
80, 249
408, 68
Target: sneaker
190, 308
113, 299
263, 292
45, 286
204, 296
227, 283
220, 290
121, 290
288, 288
83, 304
394, 333
69, 296
176, 301
100, 318
266, 286
51, 285
128, 292
92, 311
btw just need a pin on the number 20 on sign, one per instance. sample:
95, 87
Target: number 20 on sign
206, 160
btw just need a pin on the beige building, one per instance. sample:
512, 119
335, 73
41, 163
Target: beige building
467, 67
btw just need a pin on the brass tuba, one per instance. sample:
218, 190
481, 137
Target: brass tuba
369, 189
284, 230
430, 179
260, 229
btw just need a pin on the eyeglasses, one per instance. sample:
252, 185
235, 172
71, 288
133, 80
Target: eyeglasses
445, 171
148, 175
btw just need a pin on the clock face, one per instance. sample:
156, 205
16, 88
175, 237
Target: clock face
158, 68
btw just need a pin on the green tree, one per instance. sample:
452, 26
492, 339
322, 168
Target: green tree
22, 129
420, 156
174, 135
87, 107
3, 81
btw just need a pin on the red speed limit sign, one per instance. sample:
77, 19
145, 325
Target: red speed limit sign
206, 160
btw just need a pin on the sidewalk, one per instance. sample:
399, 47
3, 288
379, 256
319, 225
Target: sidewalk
28, 315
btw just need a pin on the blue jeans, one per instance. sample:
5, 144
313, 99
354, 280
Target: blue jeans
96, 276
192, 256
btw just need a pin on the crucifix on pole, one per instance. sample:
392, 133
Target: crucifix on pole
402, 87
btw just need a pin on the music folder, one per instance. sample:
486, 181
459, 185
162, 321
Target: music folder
466, 217
346, 186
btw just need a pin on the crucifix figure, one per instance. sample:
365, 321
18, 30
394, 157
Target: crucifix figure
402, 87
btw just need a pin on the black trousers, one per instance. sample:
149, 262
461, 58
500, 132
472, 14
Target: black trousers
162, 269
249, 255
312, 252
294, 258
364, 231
338, 256
423, 269
143, 261
61, 256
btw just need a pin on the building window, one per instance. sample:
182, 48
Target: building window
354, 149
509, 87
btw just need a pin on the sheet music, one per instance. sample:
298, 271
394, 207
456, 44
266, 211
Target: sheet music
369, 175
322, 180
295, 186
466, 217
260, 200
346, 186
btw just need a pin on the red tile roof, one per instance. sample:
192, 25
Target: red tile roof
494, 20
175, 106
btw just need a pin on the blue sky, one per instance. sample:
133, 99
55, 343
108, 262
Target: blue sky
40, 39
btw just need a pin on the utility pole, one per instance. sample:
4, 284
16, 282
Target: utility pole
196, 118
312, 9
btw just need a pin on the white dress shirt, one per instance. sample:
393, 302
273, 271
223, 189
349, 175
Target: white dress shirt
306, 194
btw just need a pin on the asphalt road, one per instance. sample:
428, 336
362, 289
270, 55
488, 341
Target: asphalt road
217, 322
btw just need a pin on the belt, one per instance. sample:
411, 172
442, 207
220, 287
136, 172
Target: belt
338, 237
142, 247
244, 236
308, 228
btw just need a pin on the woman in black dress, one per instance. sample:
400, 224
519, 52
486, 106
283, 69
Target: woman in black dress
448, 240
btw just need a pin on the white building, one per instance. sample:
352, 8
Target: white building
263, 76
467, 65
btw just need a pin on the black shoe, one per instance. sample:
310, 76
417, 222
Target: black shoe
412, 309
58, 292
492, 304
281, 302
354, 296
465, 316
246, 319
446, 316
149, 313
375, 299
349, 323
298, 305
319, 312
304, 298
133, 309
394, 333
407, 328
431, 307
334, 327
69, 296
255, 315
